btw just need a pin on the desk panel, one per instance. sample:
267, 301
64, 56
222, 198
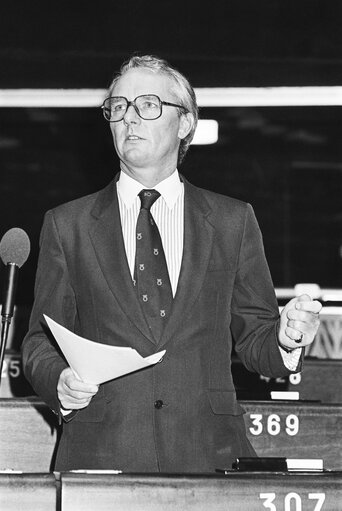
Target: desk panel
27, 435
13, 381
320, 380
28, 492
296, 430
245, 492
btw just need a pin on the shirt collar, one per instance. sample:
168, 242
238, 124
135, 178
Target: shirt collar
170, 189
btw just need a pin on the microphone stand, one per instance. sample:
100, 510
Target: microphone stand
4, 334
10, 285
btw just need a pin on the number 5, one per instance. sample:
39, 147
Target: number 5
14, 369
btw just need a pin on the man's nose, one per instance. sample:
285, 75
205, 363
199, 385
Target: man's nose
131, 115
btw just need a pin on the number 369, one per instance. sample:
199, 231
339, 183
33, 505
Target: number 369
273, 424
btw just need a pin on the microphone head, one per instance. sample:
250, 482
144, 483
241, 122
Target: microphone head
15, 247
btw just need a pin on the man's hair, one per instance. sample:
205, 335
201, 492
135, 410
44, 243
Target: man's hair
182, 90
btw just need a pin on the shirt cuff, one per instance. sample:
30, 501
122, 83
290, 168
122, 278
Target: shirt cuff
291, 359
65, 412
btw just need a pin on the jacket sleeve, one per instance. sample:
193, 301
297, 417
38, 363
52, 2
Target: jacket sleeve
42, 360
255, 313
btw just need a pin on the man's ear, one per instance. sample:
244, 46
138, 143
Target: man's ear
186, 123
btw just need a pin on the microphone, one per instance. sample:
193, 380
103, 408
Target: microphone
14, 251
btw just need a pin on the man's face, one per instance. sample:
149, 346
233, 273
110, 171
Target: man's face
148, 144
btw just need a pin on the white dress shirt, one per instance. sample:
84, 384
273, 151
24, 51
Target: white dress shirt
168, 213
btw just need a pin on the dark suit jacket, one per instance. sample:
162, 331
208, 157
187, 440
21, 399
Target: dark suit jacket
224, 294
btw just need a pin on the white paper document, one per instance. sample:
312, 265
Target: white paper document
305, 464
97, 363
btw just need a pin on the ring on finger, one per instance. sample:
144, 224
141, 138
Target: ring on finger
300, 339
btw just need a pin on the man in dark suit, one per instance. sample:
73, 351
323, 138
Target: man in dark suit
180, 415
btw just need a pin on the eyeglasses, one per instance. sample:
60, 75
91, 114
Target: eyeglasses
148, 106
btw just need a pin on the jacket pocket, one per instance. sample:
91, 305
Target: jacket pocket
223, 402
95, 411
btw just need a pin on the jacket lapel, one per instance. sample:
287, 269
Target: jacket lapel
107, 239
198, 238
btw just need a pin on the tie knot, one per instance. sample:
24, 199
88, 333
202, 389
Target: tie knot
147, 198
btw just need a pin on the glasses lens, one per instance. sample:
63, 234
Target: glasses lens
115, 108
149, 106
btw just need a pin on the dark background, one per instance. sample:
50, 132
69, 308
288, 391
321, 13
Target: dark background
286, 161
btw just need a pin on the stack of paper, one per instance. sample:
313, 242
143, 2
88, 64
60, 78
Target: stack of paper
285, 395
97, 363
304, 465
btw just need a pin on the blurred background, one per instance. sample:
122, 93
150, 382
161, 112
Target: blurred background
285, 158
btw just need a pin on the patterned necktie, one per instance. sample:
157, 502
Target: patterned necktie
151, 275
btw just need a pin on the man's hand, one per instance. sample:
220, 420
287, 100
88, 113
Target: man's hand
299, 322
73, 393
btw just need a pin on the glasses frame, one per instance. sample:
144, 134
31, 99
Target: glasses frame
133, 104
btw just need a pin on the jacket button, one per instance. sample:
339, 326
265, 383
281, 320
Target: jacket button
158, 404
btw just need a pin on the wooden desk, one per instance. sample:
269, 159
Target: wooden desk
320, 380
27, 435
296, 430
28, 492
236, 491
13, 381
